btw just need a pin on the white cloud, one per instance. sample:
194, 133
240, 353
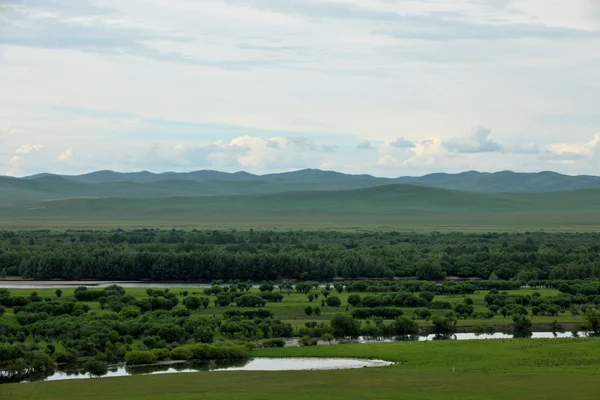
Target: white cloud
26, 148
477, 141
65, 155
14, 167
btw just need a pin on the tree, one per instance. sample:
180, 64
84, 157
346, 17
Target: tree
192, 303
442, 325
327, 337
344, 325
266, 287
430, 271
463, 310
468, 301
592, 317
250, 300
58, 292
522, 322
205, 302
95, 367
428, 296
354, 300
405, 326
423, 313
317, 311
333, 301
308, 310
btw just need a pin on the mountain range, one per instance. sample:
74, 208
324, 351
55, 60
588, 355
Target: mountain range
214, 181
303, 199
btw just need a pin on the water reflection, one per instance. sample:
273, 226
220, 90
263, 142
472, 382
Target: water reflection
294, 342
254, 364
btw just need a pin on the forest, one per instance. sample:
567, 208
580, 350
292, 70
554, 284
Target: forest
178, 255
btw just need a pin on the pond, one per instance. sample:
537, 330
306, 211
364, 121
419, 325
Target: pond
253, 364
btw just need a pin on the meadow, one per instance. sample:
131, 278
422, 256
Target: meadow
292, 308
494, 370
383, 208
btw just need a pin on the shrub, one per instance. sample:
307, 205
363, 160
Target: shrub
181, 353
278, 342
140, 357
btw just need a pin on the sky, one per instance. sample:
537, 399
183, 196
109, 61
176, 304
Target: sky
385, 87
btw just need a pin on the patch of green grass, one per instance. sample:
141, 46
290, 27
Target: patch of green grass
475, 370
390, 207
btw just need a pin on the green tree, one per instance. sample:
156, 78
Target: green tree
308, 310
592, 317
405, 326
354, 300
58, 292
333, 301
343, 325
95, 367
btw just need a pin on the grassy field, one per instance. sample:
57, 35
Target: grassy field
501, 369
404, 207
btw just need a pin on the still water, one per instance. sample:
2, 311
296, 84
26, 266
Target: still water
254, 364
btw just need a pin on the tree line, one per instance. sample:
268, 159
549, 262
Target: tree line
270, 255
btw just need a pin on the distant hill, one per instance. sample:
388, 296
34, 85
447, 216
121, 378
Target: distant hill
498, 182
399, 206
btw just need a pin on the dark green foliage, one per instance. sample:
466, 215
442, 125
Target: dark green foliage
404, 326
382, 312
344, 325
250, 300
333, 301
215, 255
277, 342
95, 367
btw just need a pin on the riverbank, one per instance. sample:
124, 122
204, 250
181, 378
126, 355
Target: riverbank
494, 370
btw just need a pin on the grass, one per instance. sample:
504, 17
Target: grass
474, 370
291, 309
404, 207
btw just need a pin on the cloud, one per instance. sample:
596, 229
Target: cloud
477, 141
402, 143
14, 166
364, 145
65, 155
522, 148
26, 148
574, 151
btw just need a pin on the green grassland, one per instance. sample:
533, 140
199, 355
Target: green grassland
472, 370
402, 207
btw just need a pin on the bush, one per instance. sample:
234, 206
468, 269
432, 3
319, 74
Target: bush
382, 312
161, 354
333, 301
273, 343
95, 367
181, 353
140, 357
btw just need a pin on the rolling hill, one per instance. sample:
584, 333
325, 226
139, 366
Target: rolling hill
498, 182
399, 206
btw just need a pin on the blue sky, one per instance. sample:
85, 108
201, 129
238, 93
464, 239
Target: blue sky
387, 87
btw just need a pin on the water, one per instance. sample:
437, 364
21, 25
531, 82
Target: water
99, 284
103, 284
254, 364
294, 342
